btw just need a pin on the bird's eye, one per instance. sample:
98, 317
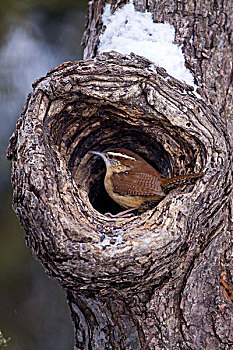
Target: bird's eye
110, 156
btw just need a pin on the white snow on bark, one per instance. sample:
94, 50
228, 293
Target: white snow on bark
129, 31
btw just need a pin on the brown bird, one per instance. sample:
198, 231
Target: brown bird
131, 181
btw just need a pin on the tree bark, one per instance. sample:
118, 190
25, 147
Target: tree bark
162, 279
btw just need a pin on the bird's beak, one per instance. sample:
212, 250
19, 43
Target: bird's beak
98, 153
102, 155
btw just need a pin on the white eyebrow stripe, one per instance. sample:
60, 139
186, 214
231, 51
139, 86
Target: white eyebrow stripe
121, 155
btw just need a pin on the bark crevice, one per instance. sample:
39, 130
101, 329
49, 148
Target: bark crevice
149, 281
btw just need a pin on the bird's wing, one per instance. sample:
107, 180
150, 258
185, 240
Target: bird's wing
139, 184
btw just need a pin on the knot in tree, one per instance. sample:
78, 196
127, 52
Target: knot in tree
130, 280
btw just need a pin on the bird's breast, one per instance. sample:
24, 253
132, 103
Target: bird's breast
125, 193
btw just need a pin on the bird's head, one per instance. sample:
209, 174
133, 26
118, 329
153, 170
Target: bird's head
118, 160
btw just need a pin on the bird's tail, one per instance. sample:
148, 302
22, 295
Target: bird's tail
168, 182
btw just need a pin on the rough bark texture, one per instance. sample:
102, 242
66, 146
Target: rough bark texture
203, 27
149, 281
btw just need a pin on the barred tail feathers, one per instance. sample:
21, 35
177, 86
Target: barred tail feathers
168, 182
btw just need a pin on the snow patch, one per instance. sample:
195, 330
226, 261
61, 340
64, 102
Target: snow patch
111, 241
129, 31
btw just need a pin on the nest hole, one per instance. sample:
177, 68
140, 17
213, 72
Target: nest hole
85, 126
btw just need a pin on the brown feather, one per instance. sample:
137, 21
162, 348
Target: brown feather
136, 184
147, 168
167, 182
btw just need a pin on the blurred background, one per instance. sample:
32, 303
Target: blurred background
35, 36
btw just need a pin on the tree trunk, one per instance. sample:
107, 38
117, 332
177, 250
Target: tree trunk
161, 279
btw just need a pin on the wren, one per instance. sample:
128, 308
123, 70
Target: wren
132, 182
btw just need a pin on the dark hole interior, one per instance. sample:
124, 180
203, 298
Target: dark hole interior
84, 127
111, 137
